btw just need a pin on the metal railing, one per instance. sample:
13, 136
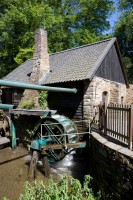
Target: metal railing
80, 125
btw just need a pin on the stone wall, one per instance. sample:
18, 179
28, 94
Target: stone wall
112, 168
116, 92
129, 98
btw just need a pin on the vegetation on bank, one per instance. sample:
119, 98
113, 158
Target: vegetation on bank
68, 188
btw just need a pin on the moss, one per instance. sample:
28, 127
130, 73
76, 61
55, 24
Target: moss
28, 104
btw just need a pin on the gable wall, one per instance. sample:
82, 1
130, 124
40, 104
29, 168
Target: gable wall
110, 68
93, 94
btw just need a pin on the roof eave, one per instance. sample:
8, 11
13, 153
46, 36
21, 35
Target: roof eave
121, 63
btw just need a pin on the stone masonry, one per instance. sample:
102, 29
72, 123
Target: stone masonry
129, 99
41, 56
111, 166
40, 69
93, 94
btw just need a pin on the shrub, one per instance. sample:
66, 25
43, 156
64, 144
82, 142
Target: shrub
43, 99
67, 189
28, 104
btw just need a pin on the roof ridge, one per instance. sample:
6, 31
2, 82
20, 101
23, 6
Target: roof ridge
82, 46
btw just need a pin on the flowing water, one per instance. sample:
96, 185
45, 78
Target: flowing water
14, 166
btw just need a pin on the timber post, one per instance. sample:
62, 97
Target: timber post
46, 165
100, 117
105, 118
130, 141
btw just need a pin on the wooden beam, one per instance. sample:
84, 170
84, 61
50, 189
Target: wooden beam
61, 146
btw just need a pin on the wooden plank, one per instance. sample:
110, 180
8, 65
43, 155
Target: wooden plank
110, 67
119, 134
116, 108
31, 112
4, 140
119, 123
61, 146
122, 122
130, 142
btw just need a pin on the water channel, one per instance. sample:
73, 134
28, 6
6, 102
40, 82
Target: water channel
14, 166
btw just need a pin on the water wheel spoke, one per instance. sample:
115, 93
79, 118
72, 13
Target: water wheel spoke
54, 155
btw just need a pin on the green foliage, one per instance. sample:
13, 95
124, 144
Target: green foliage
4, 198
43, 99
66, 189
28, 104
126, 5
23, 55
124, 33
69, 23
18, 21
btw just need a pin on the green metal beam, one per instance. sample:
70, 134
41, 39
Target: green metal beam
13, 132
36, 87
6, 106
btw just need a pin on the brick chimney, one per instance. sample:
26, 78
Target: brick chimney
40, 68
41, 57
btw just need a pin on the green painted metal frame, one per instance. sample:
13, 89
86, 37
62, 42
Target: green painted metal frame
6, 106
28, 86
36, 87
13, 132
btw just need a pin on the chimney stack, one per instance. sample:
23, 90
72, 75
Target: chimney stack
40, 67
41, 56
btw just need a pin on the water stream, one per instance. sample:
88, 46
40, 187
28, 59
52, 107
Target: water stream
14, 166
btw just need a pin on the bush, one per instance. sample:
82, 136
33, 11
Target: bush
67, 189
43, 99
28, 104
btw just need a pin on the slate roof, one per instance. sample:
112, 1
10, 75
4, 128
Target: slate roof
21, 73
70, 65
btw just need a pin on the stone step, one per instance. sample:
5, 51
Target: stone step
4, 140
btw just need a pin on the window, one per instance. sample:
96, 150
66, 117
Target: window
105, 97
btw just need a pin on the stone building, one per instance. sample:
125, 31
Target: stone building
96, 70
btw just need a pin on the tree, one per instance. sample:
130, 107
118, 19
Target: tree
124, 33
18, 21
69, 23
83, 21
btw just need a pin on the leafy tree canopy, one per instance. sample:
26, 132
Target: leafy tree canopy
124, 33
68, 22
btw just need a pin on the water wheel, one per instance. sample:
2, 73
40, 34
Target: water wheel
54, 130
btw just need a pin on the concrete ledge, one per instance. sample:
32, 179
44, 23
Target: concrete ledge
119, 148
